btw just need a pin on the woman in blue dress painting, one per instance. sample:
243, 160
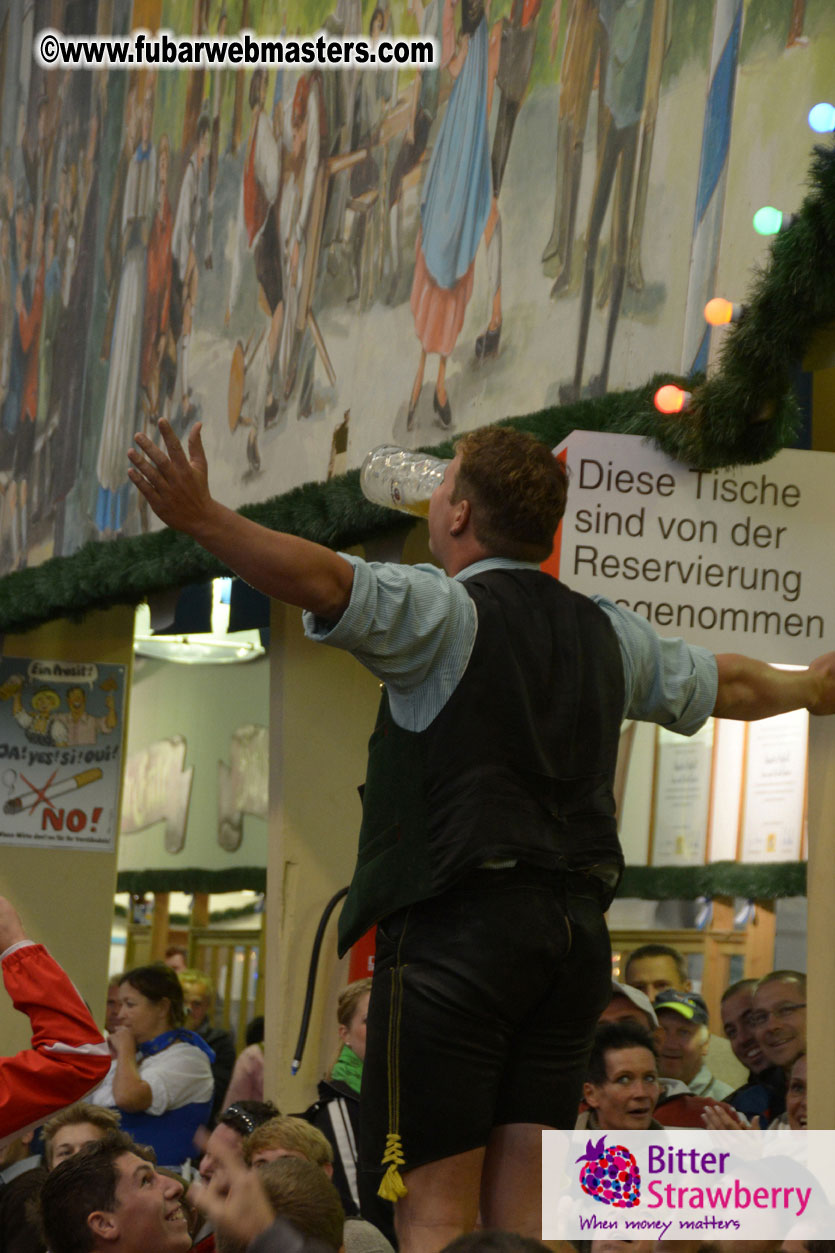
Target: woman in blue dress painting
161, 1076
456, 199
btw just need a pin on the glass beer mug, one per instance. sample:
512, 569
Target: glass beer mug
401, 479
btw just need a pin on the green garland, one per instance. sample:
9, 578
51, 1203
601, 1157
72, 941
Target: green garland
722, 878
216, 917
192, 879
743, 415
651, 883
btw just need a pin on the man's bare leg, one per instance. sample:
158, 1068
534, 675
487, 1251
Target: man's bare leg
440, 1204
511, 1180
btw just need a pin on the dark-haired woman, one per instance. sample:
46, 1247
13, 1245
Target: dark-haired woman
160, 1078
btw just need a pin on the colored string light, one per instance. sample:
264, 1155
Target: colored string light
822, 118
671, 399
770, 221
718, 311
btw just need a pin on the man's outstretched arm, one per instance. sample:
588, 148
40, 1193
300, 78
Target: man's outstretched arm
283, 566
750, 689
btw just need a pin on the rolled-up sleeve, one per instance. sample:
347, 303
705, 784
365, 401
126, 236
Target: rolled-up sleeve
398, 621
666, 680
413, 627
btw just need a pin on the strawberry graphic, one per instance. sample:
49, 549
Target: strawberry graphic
610, 1175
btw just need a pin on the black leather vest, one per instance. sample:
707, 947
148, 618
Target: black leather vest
518, 764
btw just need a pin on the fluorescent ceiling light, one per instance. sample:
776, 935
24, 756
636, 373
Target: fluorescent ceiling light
200, 650
210, 648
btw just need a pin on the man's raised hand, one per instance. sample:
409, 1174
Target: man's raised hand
234, 1199
176, 486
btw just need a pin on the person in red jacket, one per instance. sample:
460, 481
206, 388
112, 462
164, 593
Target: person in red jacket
68, 1056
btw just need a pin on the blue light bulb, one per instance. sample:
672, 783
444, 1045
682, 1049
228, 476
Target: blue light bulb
768, 220
822, 118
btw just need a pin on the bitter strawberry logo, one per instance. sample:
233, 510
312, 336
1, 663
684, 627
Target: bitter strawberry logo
610, 1175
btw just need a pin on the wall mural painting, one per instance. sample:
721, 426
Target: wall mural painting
272, 251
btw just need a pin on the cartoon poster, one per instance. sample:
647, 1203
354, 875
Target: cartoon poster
61, 743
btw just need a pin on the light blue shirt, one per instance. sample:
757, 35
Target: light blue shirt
414, 628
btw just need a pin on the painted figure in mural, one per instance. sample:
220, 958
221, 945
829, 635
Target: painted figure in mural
158, 366
46, 422
217, 93
658, 44
456, 202
184, 267
257, 233
29, 308
196, 77
123, 377
19, 246
6, 305
344, 22
299, 247
113, 231
278, 93
515, 62
423, 110
37, 157
374, 94
625, 31
68, 372
579, 62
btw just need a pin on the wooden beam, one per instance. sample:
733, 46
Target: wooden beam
719, 937
200, 909
159, 926
820, 949
760, 935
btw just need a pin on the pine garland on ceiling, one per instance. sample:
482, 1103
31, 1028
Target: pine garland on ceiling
751, 881
742, 415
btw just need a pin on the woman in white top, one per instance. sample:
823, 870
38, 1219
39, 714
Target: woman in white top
160, 1078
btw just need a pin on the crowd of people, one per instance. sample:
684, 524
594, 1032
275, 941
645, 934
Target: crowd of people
120, 1169
647, 1067
163, 1091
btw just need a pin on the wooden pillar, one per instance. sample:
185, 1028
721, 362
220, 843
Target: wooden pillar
159, 927
200, 909
717, 961
820, 893
759, 941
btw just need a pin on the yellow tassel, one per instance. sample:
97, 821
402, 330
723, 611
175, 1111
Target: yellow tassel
392, 1187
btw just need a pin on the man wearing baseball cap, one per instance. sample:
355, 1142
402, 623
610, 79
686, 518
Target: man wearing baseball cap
683, 1018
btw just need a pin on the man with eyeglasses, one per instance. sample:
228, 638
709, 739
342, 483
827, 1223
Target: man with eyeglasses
778, 1017
763, 1095
778, 1020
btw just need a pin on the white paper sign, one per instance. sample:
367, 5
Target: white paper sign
735, 560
